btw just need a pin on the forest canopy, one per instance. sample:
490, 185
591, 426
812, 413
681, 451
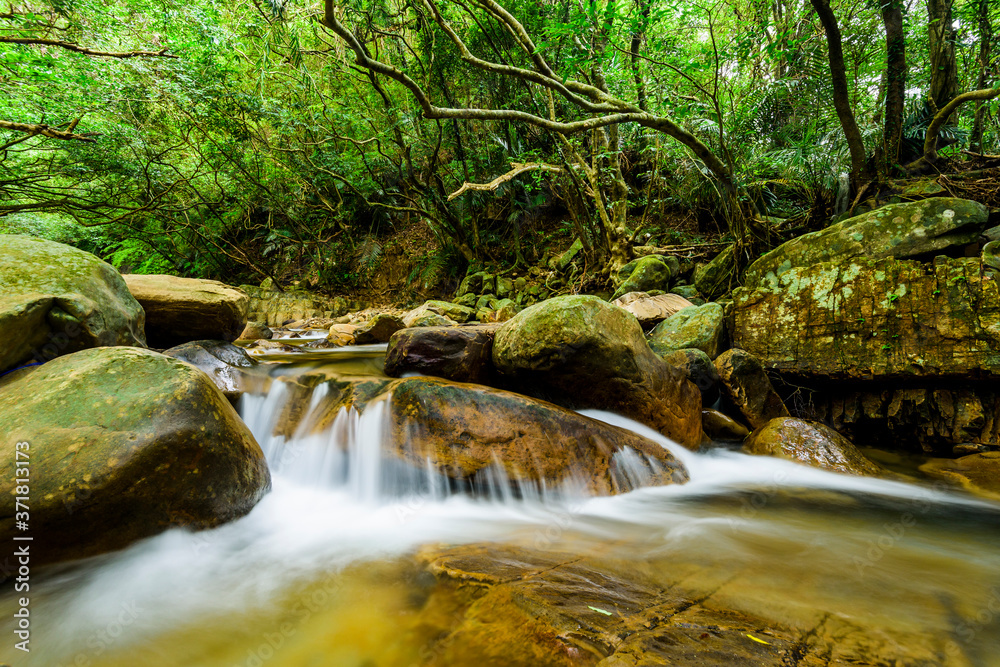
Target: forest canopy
289, 140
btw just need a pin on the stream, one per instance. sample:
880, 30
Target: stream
322, 571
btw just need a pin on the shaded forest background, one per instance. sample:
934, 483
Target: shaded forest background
305, 143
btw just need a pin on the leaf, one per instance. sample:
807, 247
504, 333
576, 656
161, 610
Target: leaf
608, 613
759, 641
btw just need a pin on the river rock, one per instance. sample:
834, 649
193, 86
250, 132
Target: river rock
378, 330
256, 331
913, 229
123, 443
453, 311
462, 354
874, 319
55, 300
746, 384
719, 426
699, 369
698, 327
714, 278
811, 443
991, 255
650, 310
582, 352
978, 473
179, 310
651, 272
278, 308
464, 429
232, 370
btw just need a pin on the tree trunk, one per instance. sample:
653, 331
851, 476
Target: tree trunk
985, 52
895, 93
941, 44
841, 93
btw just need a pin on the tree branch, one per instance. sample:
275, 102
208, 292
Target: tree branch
46, 131
518, 168
70, 46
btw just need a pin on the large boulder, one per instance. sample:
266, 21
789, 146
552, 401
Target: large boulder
874, 319
810, 443
462, 354
582, 352
746, 385
179, 310
55, 300
695, 327
900, 231
462, 430
651, 310
699, 369
122, 444
651, 272
714, 278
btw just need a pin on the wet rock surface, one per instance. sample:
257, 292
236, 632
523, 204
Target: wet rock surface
811, 443
695, 327
746, 385
124, 443
462, 354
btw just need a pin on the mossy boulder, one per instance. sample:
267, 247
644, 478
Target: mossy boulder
714, 278
462, 430
123, 443
811, 443
874, 319
698, 327
55, 300
453, 311
582, 352
900, 231
378, 330
179, 310
651, 272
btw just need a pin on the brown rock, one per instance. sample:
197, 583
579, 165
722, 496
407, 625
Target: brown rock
256, 331
650, 310
811, 443
746, 384
179, 310
462, 354
463, 429
978, 473
718, 426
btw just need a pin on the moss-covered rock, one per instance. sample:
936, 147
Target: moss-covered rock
378, 330
698, 327
55, 300
716, 277
900, 231
646, 273
811, 443
123, 443
582, 352
463, 429
453, 311
867, 319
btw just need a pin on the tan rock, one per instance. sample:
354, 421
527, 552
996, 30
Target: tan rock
746, 384
650, 310
811, 443
179, 310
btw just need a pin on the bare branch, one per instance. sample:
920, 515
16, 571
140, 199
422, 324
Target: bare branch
46, 131
518, 168
70, 46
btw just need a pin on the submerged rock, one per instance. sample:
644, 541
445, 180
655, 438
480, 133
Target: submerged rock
179, 310
55, 300
811, 443
874, 319
746, 384
582, 352
897, 231
462, 430
978, 473
462, 354
696, 327
123, 444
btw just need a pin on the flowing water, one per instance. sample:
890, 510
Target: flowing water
322, 571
